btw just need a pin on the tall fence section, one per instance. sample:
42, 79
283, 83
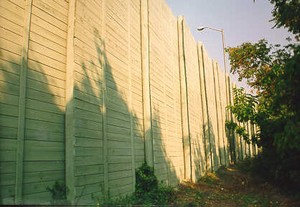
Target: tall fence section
90, 90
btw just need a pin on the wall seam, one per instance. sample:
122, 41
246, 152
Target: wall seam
22, 105
104, 111
130, 97
69, 93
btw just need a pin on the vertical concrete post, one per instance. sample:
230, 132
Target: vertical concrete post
104, 101
206, 118
128, 2
216, 156
184, 102
203, 95
22, 105
69, 126
220, 121
148, 135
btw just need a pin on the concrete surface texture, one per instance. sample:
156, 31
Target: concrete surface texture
89, 90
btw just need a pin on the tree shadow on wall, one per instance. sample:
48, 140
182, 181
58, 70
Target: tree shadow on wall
196, 166
44, 142
199, 159
108, 132
163, 166
211, 147
42, 160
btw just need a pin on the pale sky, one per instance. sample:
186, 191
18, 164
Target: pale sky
242, 21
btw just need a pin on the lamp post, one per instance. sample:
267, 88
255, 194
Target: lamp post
223, 42
225, 70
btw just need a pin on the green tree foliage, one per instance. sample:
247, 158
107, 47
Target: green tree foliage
286, 14
273, 72
148, 191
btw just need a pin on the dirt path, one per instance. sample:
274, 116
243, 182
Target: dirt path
230, 187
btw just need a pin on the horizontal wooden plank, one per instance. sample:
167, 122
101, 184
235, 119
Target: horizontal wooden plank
50, 145
118, 130
95, 116
86, 142
89, 11
119, 137
7, 179
7, 194
120, 182
10, 46
86, 106
89, 179
9, 73
48, 50
43, 78
45, 116
121, 191
120, 159
87, 133
53, 9
88, 77
42, 59
87, 98
33, 198
16, 6
89, 192
119, 175
47, 25
8, 145
45, 87
41, 106
33, 134
11, 26
8, 156
88, 124
44, 126
48, 42
87, 151
88, 160
13, 16
115, 167
46, 97
11, 65
119, 152
118, 144
36, 188
7, 167
117, 122
9, 132
8, 121
9, 88
90, 169
52, 36
63, 4
43, 176
40, 155
41, 166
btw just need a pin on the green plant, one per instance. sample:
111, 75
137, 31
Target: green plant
272, 72
257, 200
58, 192
145, 180
149, 191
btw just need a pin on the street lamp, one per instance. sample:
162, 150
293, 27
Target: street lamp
223, 42
224, 57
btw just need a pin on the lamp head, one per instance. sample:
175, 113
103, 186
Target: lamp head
201, 28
